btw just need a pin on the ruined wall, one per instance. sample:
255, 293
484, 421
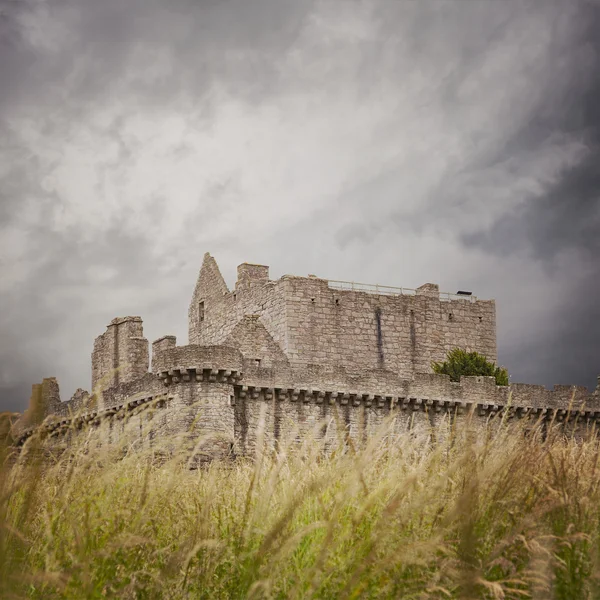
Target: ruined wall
44, 400
206, 300
120, 354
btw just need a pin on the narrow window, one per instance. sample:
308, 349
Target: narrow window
450, 316
201, 311
257, 362
234, 297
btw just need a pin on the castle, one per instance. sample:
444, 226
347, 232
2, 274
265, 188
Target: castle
298, 355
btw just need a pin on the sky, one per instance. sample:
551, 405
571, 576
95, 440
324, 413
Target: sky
396, 142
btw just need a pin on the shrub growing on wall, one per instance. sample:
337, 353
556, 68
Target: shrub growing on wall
460, 362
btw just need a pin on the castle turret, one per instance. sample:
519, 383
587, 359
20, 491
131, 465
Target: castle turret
120, 354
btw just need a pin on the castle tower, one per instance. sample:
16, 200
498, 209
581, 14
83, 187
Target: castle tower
315, 321
120, 354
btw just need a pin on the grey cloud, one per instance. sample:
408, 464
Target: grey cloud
567, 215
48, 323
107, 49
567, 350
564, 218
137, 56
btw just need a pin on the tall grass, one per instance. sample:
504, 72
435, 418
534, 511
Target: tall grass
507, 515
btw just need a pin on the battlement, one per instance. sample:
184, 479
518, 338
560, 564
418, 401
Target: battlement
209, 387
199, 359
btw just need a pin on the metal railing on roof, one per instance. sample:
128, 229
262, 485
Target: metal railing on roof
388, 290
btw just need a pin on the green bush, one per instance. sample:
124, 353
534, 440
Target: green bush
460, 362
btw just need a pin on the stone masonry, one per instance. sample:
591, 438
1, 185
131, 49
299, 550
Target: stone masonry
300, 355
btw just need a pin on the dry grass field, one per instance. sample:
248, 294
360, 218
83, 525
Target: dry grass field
506, 515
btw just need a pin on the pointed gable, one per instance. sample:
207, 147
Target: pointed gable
210, 285
256, 343
210, 281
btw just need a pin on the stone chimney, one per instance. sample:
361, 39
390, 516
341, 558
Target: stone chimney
250, 275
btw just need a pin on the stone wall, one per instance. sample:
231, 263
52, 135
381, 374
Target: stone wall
183, 359
166, 342
401, 333
120, 354
201, 393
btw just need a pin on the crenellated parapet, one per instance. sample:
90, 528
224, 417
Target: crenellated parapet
414, 401
57, 425
208, 392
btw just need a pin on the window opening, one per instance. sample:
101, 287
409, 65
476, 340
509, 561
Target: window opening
201, 310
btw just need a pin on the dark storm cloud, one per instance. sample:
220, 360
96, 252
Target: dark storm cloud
567, 350
565, 217
567, 214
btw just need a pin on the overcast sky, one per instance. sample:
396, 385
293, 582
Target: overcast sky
395, 142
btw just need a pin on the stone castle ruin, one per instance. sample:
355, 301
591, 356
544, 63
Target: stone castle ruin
298, 355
